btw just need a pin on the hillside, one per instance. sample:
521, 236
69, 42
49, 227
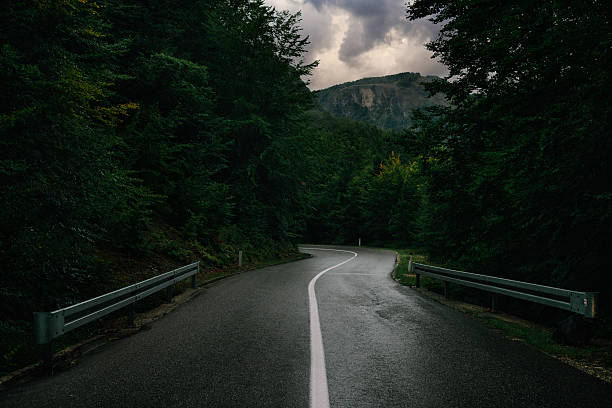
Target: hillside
385, 101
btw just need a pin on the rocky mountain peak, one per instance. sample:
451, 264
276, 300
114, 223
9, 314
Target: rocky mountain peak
385, 101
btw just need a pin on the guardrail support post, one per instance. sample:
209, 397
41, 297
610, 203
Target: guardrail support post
193, 278
131, 314
239, 258
445, 290
411, 270
48, 358
46, 326
493, 301
169, 294
590, 304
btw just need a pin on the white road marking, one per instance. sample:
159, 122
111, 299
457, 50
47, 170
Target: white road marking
319, 396
353, 273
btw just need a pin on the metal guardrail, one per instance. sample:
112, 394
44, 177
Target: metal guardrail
49, 325
584, 303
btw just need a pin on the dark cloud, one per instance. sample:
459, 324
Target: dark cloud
371, 23
354, 39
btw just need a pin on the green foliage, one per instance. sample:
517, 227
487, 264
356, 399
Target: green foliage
356, 185
59, 174
152, 127
15, 338
516, 173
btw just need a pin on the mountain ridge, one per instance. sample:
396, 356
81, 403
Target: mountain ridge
385, 101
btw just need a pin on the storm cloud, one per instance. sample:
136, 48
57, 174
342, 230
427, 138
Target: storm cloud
357, 38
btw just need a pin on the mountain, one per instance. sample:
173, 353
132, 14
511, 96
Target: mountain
385, 101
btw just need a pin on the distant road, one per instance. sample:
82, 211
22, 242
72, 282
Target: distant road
247, 341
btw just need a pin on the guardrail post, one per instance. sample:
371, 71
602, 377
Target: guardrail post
445, 290
193, 277
239, 258
44, 327
493, 305
48, 358
590, 304
131, 314
169, 294
411, 270
584, 303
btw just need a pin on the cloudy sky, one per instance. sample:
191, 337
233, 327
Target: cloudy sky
353, 39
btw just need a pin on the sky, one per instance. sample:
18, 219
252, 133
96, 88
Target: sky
353, 39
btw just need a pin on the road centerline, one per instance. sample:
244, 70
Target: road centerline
319, 395
353, 273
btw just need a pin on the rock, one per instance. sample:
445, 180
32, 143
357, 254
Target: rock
575, 330
386, 101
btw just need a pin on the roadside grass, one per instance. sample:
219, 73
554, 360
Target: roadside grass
595, 359
403, 276
279, 261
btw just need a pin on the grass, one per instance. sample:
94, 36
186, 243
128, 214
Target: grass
403, 275
594, 359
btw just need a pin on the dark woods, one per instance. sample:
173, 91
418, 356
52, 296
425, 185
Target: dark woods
517, 176
185, 128
156, 127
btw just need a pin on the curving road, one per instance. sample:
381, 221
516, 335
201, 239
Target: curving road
333, 330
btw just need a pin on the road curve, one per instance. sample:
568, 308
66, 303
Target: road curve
246, 342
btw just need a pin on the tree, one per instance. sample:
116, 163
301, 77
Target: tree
525, 143
125, 122
58, 173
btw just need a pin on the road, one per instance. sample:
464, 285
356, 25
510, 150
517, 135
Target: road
252, 340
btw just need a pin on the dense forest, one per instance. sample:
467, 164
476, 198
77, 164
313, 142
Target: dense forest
186, 128
142, 127
516, 179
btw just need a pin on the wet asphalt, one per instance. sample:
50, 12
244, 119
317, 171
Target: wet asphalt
245, 342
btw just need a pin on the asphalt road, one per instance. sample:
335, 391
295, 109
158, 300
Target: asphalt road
246, 342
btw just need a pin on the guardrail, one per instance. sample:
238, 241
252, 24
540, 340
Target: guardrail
584, 303
50, 325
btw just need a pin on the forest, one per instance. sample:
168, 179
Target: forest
185, 129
